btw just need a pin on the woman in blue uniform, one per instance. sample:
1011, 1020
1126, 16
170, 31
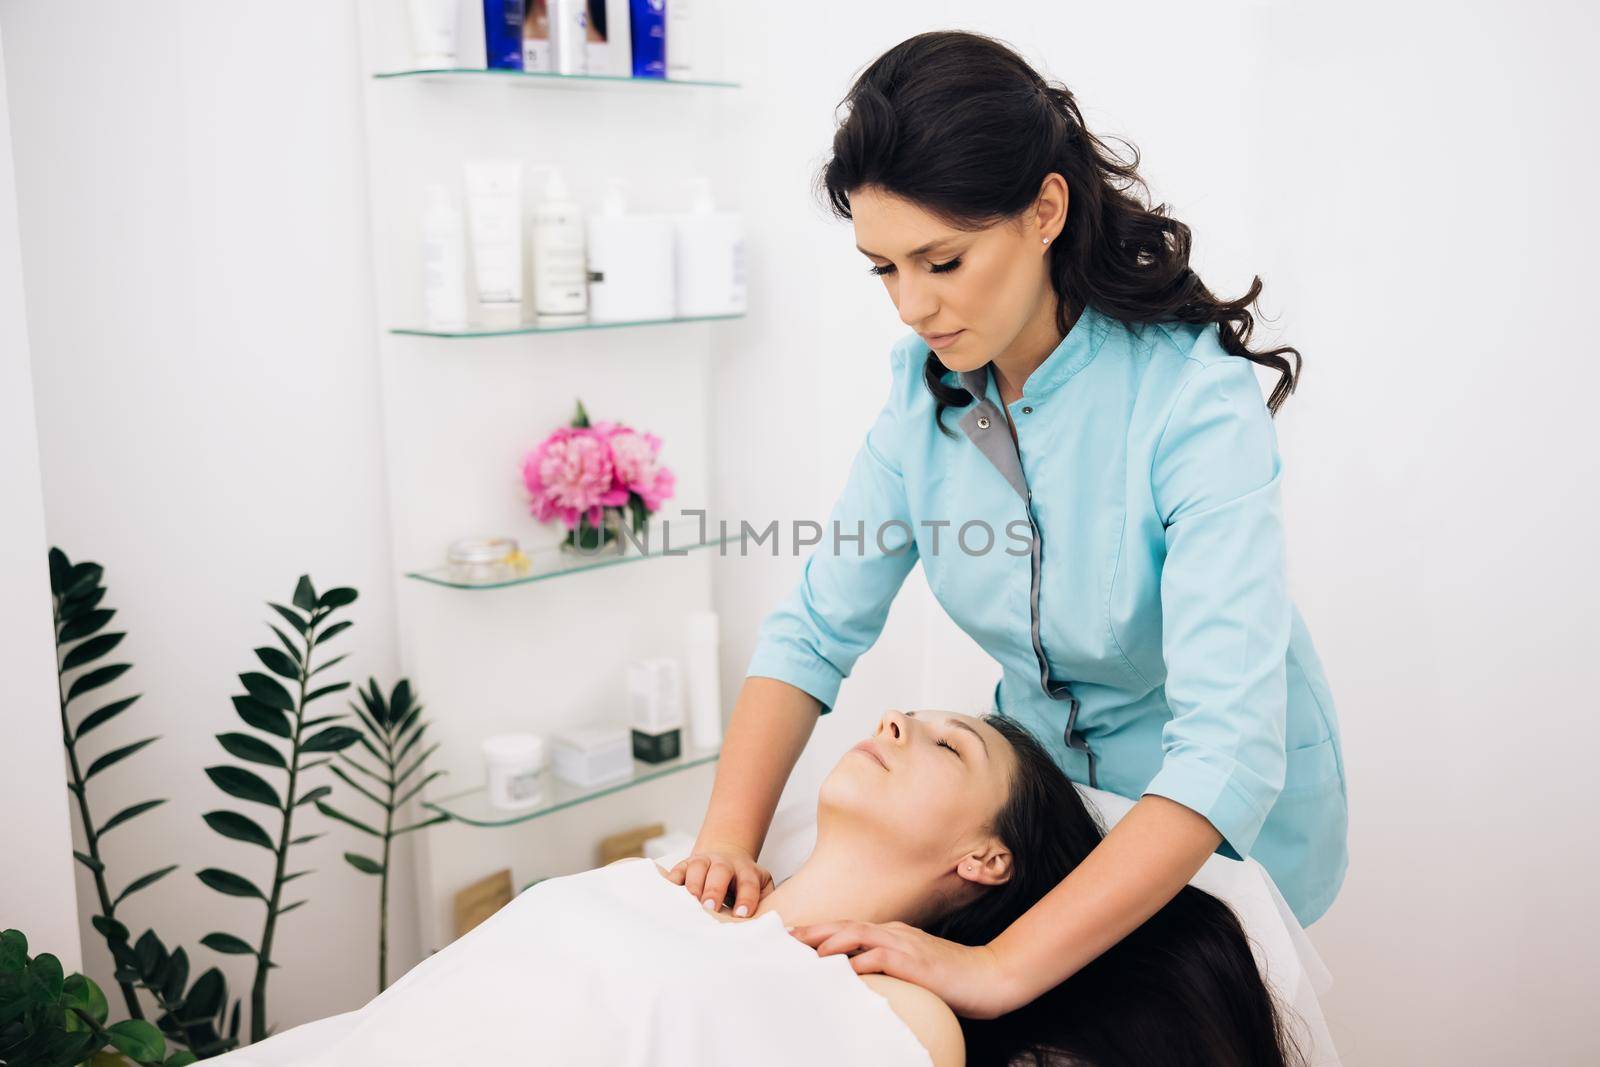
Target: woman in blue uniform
1076, 449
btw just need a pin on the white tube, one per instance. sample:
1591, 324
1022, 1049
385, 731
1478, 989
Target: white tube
494, 211
433, 33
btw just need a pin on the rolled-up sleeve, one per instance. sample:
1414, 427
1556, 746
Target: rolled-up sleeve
836, 611
1225, 603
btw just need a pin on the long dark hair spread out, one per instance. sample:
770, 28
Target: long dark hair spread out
1183, 990
960, 125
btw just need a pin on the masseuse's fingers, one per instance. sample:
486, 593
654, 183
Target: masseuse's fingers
718, 875
754, 883
693, 873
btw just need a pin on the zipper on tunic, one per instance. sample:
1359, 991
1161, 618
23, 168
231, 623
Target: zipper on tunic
1054, 690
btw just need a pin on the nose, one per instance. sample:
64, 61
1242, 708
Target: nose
914, 300
894, 727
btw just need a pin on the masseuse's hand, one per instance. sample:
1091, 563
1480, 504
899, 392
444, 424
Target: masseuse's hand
708, 870
969, 978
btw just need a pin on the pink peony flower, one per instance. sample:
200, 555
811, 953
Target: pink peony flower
571, 475
635, 458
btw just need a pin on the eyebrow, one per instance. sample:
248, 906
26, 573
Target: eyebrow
953, 721
914, 251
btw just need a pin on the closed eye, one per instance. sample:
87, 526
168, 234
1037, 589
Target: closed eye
936, 268
952, 748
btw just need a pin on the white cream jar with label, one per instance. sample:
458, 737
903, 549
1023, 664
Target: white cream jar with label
515, 770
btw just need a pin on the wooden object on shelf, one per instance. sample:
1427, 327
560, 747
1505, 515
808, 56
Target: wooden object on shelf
482, 899
628, 842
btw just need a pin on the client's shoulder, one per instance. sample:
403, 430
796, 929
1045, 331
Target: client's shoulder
925, 1012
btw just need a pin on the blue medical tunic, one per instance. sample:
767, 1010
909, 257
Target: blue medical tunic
1123, 560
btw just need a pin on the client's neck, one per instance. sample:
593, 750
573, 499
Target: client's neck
850, 875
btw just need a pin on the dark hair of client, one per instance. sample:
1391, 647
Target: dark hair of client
1182, 990
959, 124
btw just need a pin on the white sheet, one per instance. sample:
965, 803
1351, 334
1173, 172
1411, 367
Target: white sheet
612, 967
1289, 963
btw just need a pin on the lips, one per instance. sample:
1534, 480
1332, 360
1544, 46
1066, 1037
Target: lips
869, 749
939, 340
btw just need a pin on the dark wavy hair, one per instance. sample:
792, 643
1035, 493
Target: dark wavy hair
1182, 990
959, 124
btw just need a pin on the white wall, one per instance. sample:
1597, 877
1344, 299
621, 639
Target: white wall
1403, 180
36, 895
193, 239
194, 236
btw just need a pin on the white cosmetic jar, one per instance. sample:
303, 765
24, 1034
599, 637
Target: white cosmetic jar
515, 770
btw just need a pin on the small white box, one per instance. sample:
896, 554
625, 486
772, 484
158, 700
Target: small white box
593, 755
655, 694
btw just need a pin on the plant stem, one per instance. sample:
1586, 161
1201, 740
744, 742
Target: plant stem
258, 991
91, 839
383, 888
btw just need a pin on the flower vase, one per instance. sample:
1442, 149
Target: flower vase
586, 542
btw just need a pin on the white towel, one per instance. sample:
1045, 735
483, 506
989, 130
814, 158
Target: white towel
615, 966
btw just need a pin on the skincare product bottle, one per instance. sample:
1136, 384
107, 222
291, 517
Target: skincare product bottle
494, 215
444, 261
536, 37
433, 33
569, 36
700, 633
709, 265
560, 271
595, 754
648, 30
680, 39
630, 262
502, 34
655, 706
610, 42
515, 765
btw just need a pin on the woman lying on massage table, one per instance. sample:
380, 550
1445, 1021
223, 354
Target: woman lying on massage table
953, 823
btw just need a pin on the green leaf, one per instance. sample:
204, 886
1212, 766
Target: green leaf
288, 645
338, 772
45, 972
228, 945
91, 650
102, 715
426, 822
332, 739
337, 597
334, 631
267, 720
85, 624
110, 929
310, 724
316, 794
239, 827
60, 567
289, 616
419, 762
362, 864
297, 874
414, 790
82, 993
278, 662
174, 976
143, 881
180, 1059
411, 743
268, 690
306, 839
253, 749
129, 812
210, 990
317, 694
137, 1040
151, 953
399, 702
286, 909
305, 597
363, 767
114, 756
83, 577
318, 670
246, 785
95, 679
410, 721
357, 823
228, 882
89, 861
81, 602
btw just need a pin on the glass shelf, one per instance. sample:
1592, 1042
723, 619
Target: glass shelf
552, 326
548, 77
550, 562
472, 806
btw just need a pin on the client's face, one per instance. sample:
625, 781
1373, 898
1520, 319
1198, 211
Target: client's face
926, 783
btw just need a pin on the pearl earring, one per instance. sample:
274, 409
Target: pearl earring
1047, 240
